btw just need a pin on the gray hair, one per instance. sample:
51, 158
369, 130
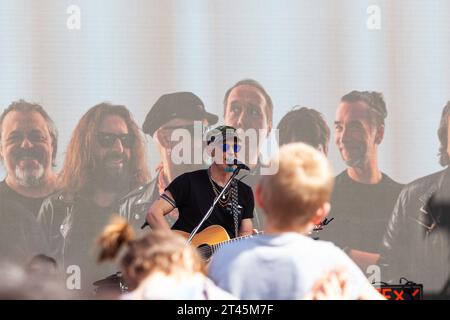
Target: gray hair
24, 106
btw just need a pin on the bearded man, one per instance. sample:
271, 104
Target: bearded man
105, 160
28, 144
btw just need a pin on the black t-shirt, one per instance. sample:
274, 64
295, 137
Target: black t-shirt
361, 212
193, 195
21, 237
32, 205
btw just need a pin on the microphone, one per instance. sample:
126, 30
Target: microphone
240, 165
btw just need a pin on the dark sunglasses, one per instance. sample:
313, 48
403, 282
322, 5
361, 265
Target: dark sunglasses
107, 140
226, 147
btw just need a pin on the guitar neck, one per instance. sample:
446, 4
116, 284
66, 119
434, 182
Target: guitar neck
216, 246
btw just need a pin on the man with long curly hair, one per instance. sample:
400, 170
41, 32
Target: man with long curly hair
105, 159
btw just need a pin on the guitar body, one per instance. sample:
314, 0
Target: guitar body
211, 235
210, 239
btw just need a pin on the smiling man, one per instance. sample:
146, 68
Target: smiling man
363, 197
105, 159
28, 143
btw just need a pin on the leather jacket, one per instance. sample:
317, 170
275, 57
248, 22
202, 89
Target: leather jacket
416, 243
57, 215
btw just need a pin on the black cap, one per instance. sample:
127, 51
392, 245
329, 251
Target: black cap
184, 105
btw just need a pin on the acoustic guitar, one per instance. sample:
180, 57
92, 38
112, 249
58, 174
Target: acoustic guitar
210, 239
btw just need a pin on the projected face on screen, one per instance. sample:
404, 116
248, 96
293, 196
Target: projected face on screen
114, 152
246, 108
355, 134
26, 147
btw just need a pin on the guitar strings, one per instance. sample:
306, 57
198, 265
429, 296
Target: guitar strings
212, 248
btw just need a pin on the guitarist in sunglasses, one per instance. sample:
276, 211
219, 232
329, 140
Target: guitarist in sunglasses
193, 193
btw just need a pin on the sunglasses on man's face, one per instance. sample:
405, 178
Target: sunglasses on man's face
226, 147
107, 140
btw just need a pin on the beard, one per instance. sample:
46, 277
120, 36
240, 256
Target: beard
356, 158
112, 179
30, 177
29, 174
355, 162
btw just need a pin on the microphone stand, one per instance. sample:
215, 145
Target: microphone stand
209, 212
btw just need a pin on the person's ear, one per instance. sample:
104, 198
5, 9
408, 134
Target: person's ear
321, 213
269, 128
162, 139
379, 134
258, 196
325, 149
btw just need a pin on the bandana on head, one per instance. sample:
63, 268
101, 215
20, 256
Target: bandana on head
219, 135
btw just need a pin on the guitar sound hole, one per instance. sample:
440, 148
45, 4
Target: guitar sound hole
205, 251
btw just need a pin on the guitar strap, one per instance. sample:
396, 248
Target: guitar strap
235, 209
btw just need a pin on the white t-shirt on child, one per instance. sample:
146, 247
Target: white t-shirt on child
283, 266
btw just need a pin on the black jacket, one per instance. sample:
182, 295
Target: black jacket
416, 243
58, 212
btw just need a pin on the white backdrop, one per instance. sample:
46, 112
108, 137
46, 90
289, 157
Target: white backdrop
304, 52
